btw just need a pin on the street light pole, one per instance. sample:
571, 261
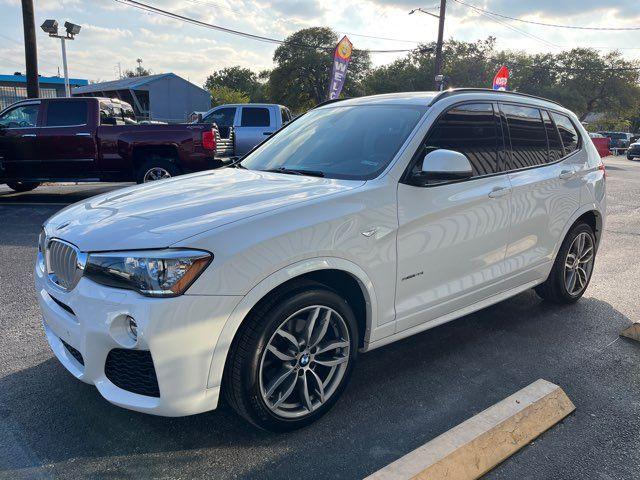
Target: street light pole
438, 70
51, 27
67, 89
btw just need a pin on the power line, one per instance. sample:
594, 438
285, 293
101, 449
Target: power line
518, 30
251, 36
224, 7
574, 27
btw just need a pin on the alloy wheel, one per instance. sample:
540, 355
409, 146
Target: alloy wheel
578, 264
304, 361
156, 173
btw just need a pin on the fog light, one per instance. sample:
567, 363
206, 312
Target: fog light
132, 328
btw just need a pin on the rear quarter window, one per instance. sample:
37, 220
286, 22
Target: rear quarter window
568, 132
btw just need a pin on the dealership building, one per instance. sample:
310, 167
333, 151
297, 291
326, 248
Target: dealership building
164, 97
14, 87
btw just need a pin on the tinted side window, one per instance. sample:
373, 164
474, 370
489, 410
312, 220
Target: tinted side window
469, 129
255, 117
66, 113
286, 116
223, 117
528, 137
21, 117
567, 132
555, 144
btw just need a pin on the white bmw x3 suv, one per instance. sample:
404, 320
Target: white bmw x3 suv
358, 224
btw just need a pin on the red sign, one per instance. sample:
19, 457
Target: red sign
501, 79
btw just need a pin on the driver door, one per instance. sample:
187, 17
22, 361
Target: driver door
18, 153
453, 235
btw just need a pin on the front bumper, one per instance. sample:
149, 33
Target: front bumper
633, 152
180, 333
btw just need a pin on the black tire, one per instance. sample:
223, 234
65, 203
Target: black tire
241, 384
554, 288
23, 186
156, 162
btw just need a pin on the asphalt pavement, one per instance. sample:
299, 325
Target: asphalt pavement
400, 396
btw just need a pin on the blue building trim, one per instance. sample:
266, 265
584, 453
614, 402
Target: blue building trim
76, 82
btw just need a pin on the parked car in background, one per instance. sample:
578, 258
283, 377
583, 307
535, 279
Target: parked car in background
95, 139
619, 140
245, 125
633, 151
361, 223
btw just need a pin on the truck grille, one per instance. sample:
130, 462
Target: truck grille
132, 370
62, 264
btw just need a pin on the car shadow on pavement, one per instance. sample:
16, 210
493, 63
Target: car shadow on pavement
400, 396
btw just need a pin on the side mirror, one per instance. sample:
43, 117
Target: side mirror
441, 166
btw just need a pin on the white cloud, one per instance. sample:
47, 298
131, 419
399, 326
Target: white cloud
115, 33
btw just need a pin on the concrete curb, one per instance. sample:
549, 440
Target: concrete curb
477, 445
632, 332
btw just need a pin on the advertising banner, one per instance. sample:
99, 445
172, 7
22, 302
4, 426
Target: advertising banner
341, 58
501, 79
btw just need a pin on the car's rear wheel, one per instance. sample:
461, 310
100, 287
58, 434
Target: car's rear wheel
156, 168
23, 186
292, 358
572, 269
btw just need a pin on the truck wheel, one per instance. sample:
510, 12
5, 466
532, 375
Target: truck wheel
156, 168
22, 186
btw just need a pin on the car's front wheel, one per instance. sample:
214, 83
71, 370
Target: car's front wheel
292, 358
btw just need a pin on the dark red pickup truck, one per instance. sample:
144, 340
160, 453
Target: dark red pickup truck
95, 139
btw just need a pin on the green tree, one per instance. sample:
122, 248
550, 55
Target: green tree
239, 79
300, 78
222, 95
137, 72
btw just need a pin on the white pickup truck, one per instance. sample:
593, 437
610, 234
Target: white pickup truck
243, 126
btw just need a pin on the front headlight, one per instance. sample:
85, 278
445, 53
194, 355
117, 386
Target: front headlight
154, 273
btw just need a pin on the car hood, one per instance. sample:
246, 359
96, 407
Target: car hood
159, 214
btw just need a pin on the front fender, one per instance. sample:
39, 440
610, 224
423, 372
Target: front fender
271, 282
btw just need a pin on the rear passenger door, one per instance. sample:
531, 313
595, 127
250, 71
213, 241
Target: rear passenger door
66, 142
452, 236
545, 193
256, 124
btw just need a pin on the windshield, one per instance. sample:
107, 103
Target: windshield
346, 142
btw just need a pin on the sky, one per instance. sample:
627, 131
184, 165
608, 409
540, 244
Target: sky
115, 34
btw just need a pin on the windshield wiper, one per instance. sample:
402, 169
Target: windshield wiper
293, 171
236, 163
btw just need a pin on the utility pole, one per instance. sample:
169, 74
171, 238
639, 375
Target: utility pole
30, 49
439, 79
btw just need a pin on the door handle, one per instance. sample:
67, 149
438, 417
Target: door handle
267, 133
28, 135
564, 174
83, 134
498, 192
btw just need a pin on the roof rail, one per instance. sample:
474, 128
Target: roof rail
448, 93
327, 102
